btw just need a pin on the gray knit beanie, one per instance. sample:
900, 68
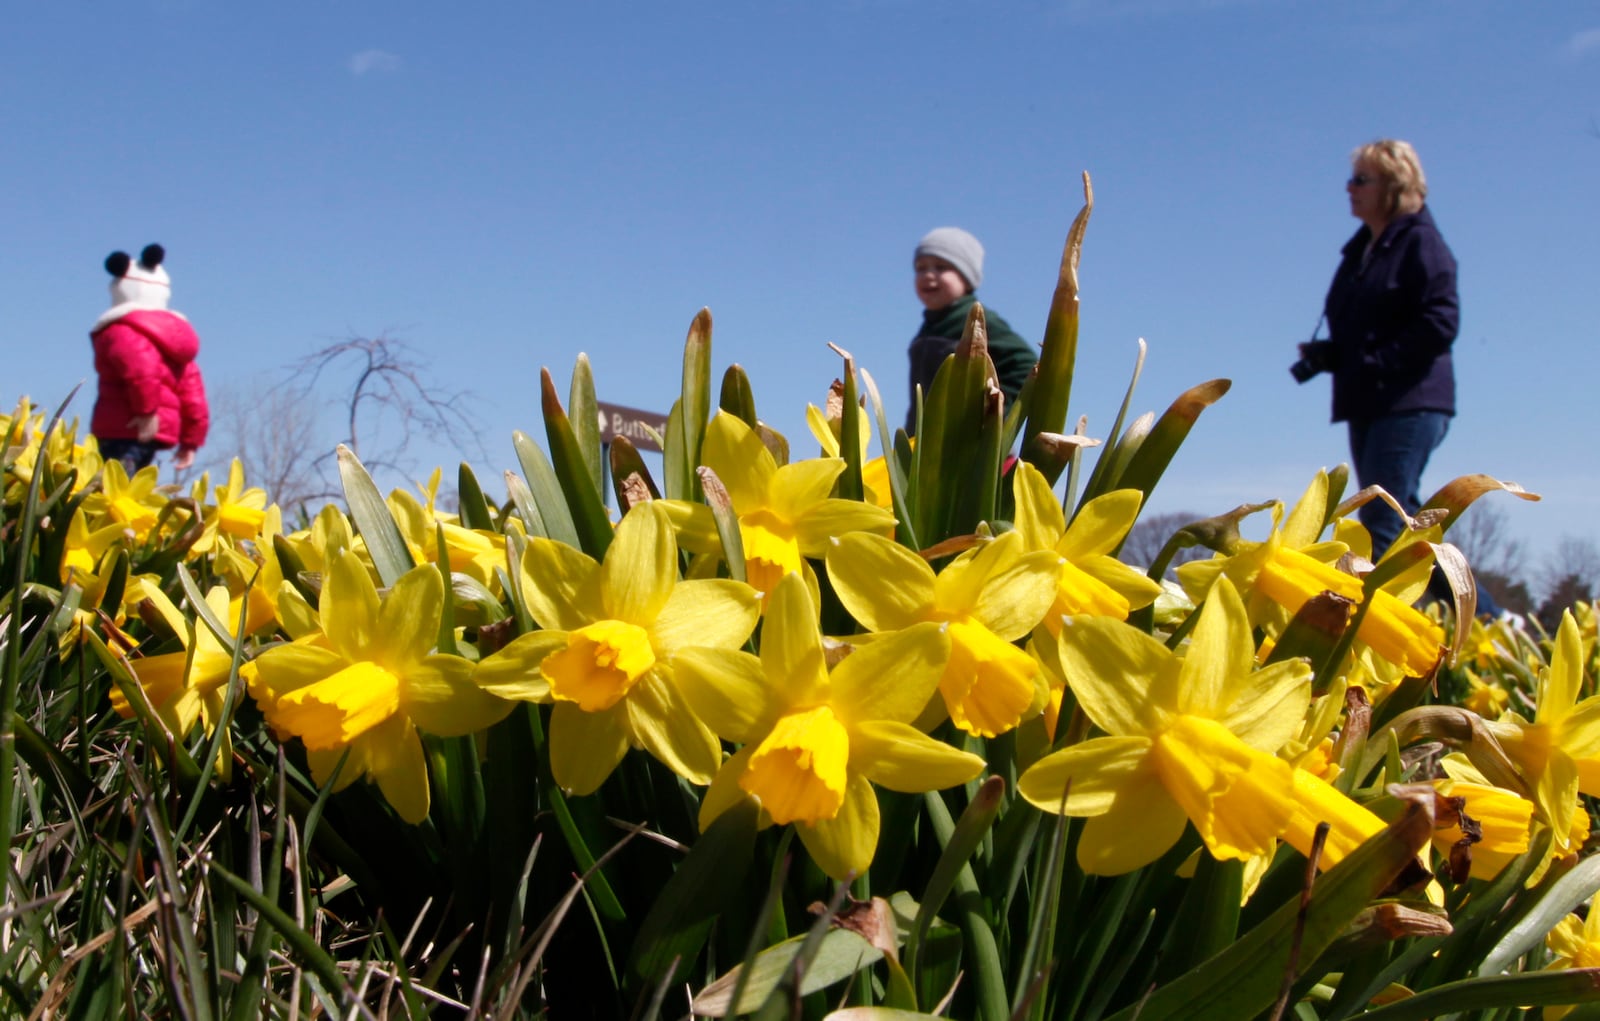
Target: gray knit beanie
958, 248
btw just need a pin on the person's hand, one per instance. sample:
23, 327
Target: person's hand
145, 427
183, 458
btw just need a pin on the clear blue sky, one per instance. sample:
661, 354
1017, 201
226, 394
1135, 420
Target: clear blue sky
506, 185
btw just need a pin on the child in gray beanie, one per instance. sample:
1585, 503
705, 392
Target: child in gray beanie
948, 267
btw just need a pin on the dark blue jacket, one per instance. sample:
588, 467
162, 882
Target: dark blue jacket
1392, 322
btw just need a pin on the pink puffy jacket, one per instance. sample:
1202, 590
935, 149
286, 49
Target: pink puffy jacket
146, 364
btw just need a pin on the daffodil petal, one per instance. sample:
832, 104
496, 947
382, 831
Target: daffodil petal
1556, 791
1267, 707
561, 585
885, 586
831, 518
349, 606
743, 463
799, 486
844, 845
640, 567
586, 747
1220, 650
513, 672
441, 698
661, 721
902, 758
694, 526
893, 677
1014, 601
396, 762
1085, 779
1101, 524
1559, 692
960, 585
791, 644
408, 621
711, 613
1112, 669
1238, 797
1141, 824
725, 791
1039, 517
725, 688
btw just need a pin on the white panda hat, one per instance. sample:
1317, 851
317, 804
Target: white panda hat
143, 284
136, 286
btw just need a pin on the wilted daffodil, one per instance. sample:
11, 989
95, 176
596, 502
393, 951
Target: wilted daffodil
989, 597
606, 656
1089, 579
1559, 752
1503, 820
816, 740
1191, 737
373, 684
1280, 575
785, 513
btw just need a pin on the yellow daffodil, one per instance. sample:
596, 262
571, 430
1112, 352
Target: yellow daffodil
1559, 752
475, 554
785, 513
1281, 574
1486, 698
606, 655
133, 503
816, 740
1191, 738
1575, 943
233, 510
187, 686
989, 597
373, 684
874, 471
1090, 579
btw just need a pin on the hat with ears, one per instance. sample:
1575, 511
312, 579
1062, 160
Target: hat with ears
142, 284
958, 248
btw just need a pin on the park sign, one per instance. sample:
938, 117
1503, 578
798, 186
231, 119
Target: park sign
631, 424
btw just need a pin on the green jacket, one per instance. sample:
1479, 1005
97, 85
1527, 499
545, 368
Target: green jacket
1013, 357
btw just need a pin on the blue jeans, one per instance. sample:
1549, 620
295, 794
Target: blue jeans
133, 454
1391, 452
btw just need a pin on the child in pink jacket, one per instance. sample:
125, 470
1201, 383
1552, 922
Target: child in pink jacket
151, 395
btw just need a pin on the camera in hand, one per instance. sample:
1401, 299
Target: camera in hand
1314, 359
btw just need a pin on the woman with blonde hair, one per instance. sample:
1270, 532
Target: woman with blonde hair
1392, 315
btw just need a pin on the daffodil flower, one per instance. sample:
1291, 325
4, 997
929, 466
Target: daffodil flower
874, 471
473, 553
815, 740
1089, 579
988, 598
1576, 944
785, 513
1559, 752
190, 685
1281, 574
1190, 738
606, 656
233, 510
373, 683
133, 503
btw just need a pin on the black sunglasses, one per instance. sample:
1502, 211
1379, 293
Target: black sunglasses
1359, 180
